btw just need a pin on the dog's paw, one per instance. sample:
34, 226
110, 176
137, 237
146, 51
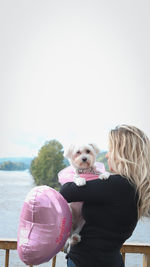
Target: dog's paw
71, 241
75, 238
104, 175
79, 181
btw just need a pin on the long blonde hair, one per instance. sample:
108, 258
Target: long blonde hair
129, 153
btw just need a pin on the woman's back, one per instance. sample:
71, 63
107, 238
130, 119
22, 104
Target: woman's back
110, 212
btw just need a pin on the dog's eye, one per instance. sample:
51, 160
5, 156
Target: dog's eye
88, 151
78, 152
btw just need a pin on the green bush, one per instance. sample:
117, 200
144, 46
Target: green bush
45, 167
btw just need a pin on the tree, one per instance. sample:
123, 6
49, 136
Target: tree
45, 167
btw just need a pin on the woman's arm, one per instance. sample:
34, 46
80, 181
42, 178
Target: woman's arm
94, 191
72, 193
115, 188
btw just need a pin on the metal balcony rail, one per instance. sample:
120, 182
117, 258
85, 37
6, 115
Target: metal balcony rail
138, 248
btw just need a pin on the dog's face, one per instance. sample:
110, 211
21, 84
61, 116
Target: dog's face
82, 157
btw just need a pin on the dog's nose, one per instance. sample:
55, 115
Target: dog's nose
84, 159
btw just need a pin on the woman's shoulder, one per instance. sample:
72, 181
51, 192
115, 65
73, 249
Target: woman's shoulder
122, 181
118, 177
114, 180
112, 177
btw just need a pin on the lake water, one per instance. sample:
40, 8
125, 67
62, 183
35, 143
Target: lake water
14, 187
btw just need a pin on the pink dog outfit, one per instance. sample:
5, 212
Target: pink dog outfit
67, 174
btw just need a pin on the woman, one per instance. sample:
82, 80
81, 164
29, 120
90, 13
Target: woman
112, 207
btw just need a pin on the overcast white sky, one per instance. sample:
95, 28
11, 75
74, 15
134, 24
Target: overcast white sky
72, 70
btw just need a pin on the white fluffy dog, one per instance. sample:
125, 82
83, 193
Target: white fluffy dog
82, 158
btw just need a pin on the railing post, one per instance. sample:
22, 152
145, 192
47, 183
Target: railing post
54, 261
146, 261
123, 256
7, 258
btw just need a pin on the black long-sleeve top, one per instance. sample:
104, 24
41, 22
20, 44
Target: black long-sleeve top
110, 212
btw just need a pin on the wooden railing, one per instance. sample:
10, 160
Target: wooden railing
7, 245
138, 248
11, 244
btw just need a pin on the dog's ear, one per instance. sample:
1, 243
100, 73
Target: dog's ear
68, 151
95, 147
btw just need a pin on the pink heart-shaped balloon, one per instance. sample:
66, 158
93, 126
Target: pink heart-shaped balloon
44, 226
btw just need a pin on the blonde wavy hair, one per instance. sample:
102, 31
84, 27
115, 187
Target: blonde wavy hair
129, 154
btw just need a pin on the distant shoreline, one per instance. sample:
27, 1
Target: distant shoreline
14, 170
15, 164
